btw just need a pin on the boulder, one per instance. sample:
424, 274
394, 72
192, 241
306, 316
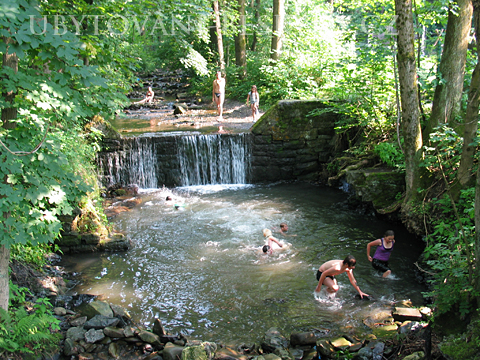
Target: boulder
172, 352
150, 338
76, 333
305, 338
96, 307
403, 314
92, 336
274, 340
99, 322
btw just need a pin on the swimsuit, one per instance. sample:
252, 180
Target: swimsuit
253, 97
218, 94
319, 274
381, 257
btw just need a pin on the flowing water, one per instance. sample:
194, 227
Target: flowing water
200, 270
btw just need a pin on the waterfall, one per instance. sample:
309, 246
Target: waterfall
134, 164
213, 159
176, 160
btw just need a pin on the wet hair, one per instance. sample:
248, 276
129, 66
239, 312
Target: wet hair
168, 198
350, 261
389, 233
267, 232
265, 248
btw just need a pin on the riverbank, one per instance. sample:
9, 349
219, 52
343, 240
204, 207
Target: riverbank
97, 330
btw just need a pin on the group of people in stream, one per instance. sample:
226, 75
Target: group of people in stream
328, 270
218, 97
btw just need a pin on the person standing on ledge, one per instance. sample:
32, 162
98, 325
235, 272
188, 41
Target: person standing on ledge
382, 253
327, 272
218, 94
254, 102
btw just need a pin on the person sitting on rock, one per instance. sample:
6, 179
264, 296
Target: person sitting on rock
148, 97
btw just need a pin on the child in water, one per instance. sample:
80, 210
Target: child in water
382, 253
268, 248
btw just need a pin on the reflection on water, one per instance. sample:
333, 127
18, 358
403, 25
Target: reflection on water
201, 270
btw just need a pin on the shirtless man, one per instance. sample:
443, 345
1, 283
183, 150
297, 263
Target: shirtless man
327, 272
218, 93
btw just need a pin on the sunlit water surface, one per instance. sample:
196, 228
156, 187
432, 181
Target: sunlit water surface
200, 269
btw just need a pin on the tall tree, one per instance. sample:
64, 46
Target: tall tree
9, 113
221, 56
241, 41
474, 103
277, 28
449, 89
407, 74
253, 46
465, 169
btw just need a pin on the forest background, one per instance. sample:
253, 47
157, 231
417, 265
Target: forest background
403, 76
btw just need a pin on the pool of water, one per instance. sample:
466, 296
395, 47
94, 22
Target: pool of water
200, 270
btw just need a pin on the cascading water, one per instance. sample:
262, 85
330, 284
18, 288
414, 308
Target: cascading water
176, 160
213, 159
135, 164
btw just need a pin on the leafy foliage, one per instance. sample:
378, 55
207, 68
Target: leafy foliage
463, 346
28, 332
33, 255
448, 249
390, 154
56, 93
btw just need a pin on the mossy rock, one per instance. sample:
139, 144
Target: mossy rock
289, 120
381, 187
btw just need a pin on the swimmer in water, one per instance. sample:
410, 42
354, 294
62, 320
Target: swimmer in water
268, 249
327, 272
284, 229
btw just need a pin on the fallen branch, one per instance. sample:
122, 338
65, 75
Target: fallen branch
425, 271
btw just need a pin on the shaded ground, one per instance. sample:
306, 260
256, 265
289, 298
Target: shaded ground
159, 116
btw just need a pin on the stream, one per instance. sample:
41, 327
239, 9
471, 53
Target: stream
198, 266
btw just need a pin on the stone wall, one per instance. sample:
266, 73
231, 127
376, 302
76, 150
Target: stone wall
288, 144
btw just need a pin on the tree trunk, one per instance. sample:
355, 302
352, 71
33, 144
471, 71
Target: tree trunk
476, 20
8, 114
241, 42
448, 93
407, 74
277, 29
4, 279
257, 23
221, 56
465, 171
477, 235
11, 61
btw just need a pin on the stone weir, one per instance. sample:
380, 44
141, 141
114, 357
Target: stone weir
291, 144
287, 143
